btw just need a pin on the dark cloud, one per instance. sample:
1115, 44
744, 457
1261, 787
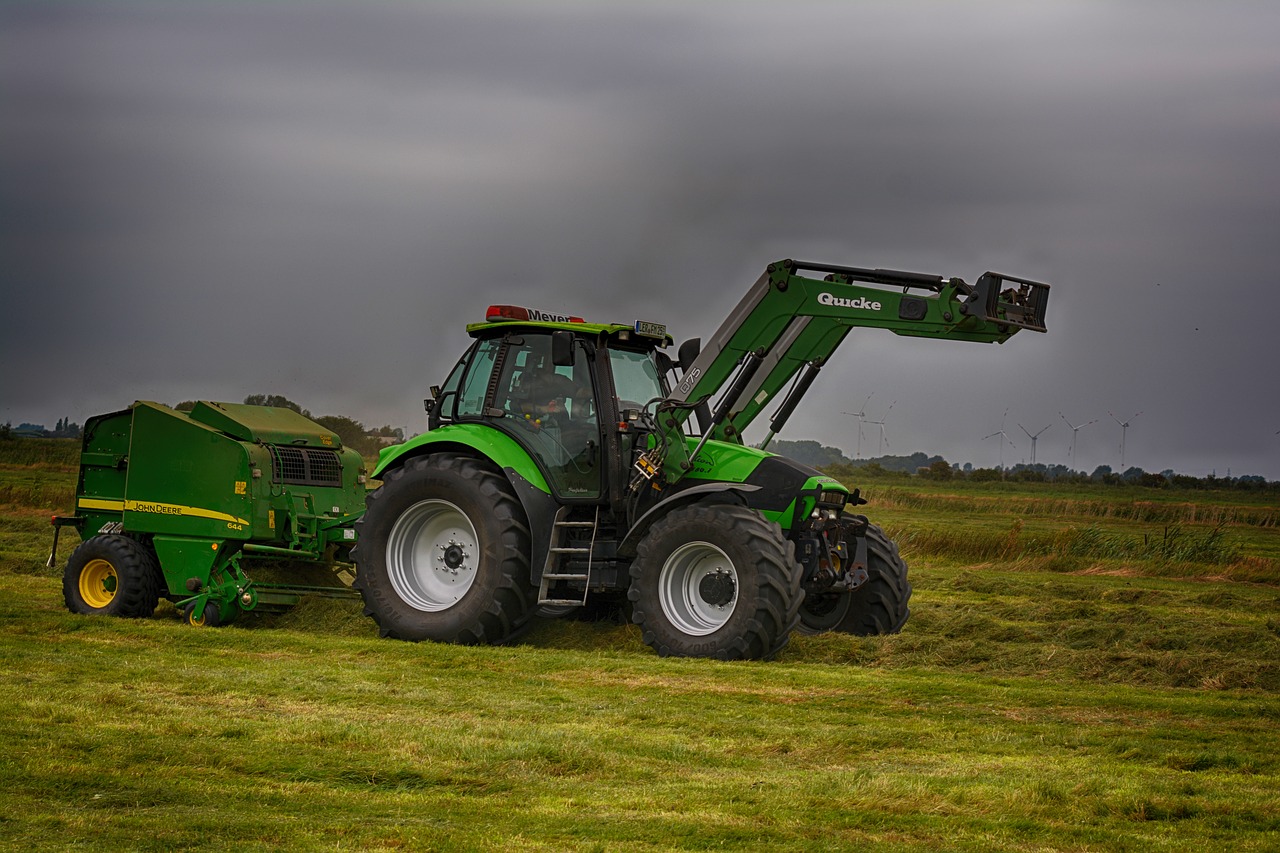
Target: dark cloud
211, 200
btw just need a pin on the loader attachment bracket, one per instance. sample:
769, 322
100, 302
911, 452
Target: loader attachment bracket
1021, 303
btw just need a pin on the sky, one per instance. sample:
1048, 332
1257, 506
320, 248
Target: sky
210, 200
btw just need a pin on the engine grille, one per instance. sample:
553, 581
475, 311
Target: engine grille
305, 466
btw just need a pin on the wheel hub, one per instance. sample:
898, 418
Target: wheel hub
716, 588
453, 555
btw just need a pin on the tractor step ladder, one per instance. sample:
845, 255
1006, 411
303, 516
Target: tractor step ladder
559, 554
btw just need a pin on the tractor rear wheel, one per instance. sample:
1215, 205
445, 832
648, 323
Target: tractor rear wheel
879, 606
716, 581
443, 553
111, 575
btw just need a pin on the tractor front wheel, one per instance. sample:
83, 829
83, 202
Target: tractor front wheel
879, 606
111, 575
716, 581
443, 553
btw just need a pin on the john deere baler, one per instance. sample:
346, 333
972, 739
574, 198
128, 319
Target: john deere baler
176, 504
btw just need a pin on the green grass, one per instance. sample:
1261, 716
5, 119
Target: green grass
1063, 684
151, 735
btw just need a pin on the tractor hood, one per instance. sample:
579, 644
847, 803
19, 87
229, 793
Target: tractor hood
779, 479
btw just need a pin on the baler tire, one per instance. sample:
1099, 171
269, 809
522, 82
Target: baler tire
879, 606
749, 559
111, 575
427, 497
210, 618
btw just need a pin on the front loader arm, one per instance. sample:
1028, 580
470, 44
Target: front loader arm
787, 323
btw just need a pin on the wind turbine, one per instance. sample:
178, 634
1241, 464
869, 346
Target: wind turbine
1033, 441
1124, 433
1003, 438
1074, 430
884, 442
861, 415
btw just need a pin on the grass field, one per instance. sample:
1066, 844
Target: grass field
1083, 670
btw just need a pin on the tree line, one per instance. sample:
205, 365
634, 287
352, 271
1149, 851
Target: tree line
352, 433
832, 461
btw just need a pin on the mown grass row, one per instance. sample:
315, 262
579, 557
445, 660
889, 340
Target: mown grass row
966, 732
59, 496
1171, 552
1104, 507
1035, 702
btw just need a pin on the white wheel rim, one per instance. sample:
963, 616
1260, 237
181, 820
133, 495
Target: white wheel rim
691, 572
432, 555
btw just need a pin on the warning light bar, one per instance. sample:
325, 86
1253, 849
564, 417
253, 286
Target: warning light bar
497, 313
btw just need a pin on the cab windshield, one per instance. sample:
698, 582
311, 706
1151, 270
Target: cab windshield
635, 378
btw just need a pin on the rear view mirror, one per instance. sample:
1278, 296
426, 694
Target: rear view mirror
688, 352
562, 348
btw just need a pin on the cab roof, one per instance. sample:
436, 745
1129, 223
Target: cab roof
506, 318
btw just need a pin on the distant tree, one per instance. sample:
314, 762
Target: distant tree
938, 469
842, 471
277, 400
1103, 474
66, 428
350, 431
6, 431
185, 406
809, 453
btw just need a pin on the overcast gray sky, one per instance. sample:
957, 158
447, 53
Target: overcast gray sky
209, 200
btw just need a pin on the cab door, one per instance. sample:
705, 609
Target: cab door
551, 411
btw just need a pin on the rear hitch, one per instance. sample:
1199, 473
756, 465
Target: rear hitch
59, 522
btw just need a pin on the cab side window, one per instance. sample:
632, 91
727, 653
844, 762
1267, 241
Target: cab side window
471, 396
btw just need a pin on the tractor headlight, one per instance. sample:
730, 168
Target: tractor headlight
833, 498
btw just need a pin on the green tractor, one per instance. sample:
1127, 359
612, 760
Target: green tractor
571, 465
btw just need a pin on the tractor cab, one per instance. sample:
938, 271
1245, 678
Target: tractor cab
574, 395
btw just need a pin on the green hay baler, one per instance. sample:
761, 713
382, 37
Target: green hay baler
176, 504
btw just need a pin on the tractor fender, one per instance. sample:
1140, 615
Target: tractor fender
477, 439
526, 480
731, 492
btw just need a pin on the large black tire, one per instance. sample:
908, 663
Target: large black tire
715, 581
111, 575
443, 553
879, 606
